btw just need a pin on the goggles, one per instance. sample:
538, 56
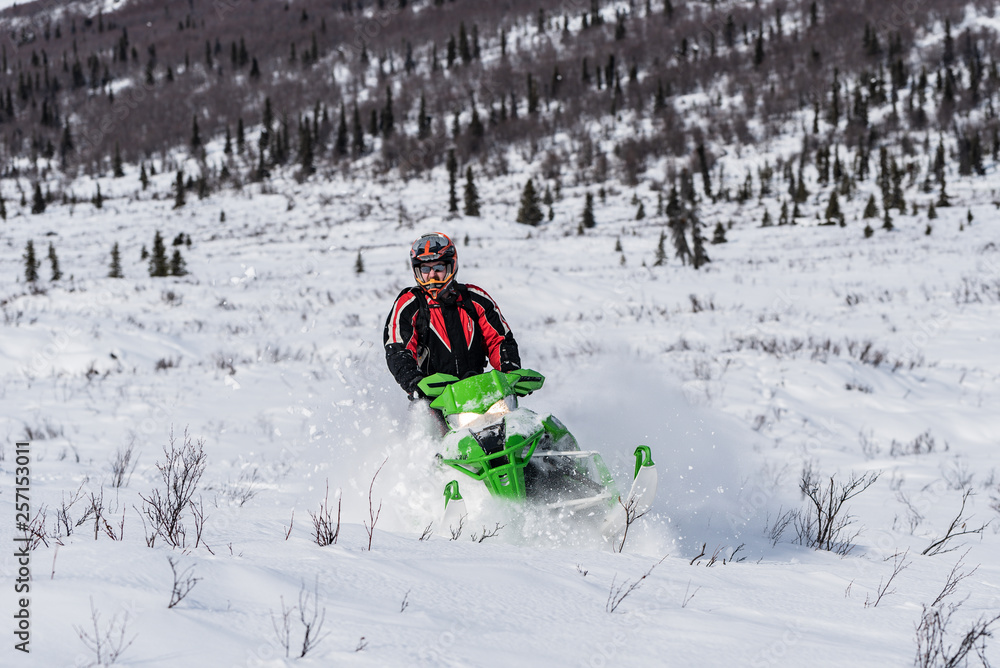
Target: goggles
427, 269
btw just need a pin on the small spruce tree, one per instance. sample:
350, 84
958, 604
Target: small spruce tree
529, 213
588, 221
359, 264
661, 253
158, 265
931, 212
54, 263
178, 267
887, 221
640, 212
698, 241
30, 262
452, 165
719, 234
143, 177
38, 200
115, 269
471, 194
868, 230
117, 162
179, 188
833, 214
98, 198
871, 209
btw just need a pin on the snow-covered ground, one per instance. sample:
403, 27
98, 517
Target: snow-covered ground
738, 376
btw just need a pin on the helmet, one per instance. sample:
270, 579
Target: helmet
432, 248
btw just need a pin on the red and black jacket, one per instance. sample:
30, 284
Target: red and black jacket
455, 334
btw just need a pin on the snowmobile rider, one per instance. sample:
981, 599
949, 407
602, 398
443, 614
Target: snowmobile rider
443, 326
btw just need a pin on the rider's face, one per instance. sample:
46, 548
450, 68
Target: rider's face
434, 271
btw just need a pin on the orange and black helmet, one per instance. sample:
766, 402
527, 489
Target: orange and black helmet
432, 250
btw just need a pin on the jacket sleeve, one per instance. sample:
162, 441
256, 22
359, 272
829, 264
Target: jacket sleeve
501, 348
400, 341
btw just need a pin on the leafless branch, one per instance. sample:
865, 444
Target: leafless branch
616, 595
372, 512
184, 582
955, 529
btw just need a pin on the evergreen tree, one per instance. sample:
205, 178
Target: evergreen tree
115, 270
703, 162
931, 212
387, 121
306, 148
3, 208
588, 221
698, 241
719, 235
833, 213
98, 200
359, 264
117, 162
30, 262
178, 267
532, 95
452, 165
38, 200
179, 199
868, 230
143, 177
340, 146
529, 213
678, 228
871, 209
471, 194
661, 254
464, 51
54, 263
766, 220
357, 133
886, 220
195, 134
423, 120
158, 259
640, 212
240, 138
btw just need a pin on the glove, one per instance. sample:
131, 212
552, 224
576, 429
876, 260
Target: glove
412, 388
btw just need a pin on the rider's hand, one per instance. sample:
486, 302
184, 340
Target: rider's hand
412, 388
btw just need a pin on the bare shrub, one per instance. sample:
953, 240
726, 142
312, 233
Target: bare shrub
123, 465
824, 523
921, 445
955, 529
933, 646
184, 582
325, 531
310, 617
106, 642
632, 514
899, 564
372, 512
180, 473
64, 521
617, 595
488, 533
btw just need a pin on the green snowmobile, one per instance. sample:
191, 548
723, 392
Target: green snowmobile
520, 455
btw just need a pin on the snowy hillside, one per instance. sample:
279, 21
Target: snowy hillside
818, 380
738, 376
